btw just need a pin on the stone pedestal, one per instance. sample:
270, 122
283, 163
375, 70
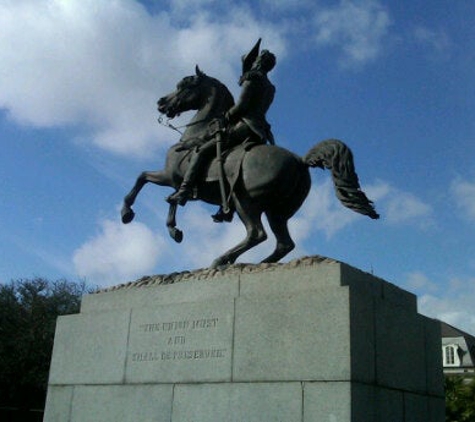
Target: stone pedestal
309, 341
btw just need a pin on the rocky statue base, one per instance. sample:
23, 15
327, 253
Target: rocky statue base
308, 341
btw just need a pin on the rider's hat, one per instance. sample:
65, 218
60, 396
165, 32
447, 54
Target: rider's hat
249, 58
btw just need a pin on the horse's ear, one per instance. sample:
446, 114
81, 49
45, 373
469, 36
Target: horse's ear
198, 71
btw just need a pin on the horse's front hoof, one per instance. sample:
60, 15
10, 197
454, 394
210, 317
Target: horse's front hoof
176, 235
127, 215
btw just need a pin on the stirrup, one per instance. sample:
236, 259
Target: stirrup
222, 216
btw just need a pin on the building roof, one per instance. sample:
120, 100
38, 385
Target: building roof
449, 331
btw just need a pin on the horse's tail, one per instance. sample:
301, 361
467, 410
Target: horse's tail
334, 155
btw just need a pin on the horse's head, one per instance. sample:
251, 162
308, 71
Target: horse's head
189, 95
195, 92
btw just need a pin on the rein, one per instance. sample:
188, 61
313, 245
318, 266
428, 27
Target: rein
177, 128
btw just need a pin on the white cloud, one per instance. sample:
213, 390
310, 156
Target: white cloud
118, 253
186, 4
405, 206
450, 300
419, 281
399, 207
357, 28
125, 252
454, 311
378, 190
104, 64
464, 194
454, 307
321, 211
285, 5
437, 41
205, 240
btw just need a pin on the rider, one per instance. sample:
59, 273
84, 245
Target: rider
245, 121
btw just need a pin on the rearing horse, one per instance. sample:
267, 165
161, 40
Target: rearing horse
266, 180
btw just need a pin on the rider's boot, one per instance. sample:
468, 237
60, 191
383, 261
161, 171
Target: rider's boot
185, 192
222, 216
182, 195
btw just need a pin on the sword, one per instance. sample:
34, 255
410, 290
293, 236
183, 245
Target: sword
217, 129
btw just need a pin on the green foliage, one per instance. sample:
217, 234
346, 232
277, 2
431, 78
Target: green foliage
28, 312
459, 399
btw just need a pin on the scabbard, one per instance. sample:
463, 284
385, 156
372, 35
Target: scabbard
222, 185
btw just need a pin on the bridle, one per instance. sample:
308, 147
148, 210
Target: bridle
169, 125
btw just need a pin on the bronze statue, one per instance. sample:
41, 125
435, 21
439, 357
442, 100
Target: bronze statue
249, 176
243, 122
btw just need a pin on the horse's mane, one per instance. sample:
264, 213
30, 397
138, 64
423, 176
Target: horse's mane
228, 98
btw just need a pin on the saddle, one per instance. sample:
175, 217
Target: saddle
232, 165
231, 158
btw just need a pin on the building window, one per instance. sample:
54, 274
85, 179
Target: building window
451, 357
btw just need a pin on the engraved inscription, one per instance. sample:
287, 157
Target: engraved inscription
178, 355
174, 347
180, 325
176, 340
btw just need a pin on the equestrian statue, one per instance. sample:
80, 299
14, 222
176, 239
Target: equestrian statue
227, 156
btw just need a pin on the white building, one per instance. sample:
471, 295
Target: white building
458, 351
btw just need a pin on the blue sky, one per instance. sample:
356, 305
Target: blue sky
79, 82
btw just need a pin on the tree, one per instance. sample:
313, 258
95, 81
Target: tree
459, 399
28, 312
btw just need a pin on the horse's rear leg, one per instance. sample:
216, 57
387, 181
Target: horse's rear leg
157, 177
255, 233
285, 244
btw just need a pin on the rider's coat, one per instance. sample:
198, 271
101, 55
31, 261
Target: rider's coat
256, 97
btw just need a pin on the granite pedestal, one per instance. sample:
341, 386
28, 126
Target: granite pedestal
314, 340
